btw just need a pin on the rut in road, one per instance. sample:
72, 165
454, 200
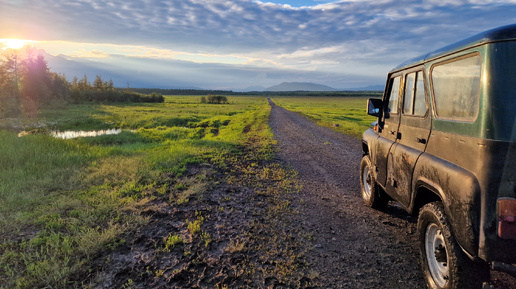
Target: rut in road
356, 246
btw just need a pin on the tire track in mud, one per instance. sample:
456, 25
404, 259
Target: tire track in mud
355, 246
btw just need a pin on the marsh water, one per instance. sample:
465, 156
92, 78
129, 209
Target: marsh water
75, 134
69, 134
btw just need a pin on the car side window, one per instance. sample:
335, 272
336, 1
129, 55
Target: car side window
408, 99
419, 95
394, 95
456, 86
414, 100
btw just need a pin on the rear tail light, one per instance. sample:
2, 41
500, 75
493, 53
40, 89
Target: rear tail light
507, 218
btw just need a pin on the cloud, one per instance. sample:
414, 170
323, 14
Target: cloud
236, 25
332, 42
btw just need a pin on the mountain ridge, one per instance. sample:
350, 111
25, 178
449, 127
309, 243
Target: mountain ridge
299, 86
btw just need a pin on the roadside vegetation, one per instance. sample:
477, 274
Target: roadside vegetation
343, 114
68, 202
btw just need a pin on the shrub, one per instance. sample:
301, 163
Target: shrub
172, 241
216, 99
153, 97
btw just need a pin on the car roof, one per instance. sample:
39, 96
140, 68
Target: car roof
503, 33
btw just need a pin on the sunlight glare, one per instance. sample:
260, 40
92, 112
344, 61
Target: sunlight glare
14, 43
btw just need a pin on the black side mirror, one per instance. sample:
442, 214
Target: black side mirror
374, 105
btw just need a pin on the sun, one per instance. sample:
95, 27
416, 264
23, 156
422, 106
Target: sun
14, 43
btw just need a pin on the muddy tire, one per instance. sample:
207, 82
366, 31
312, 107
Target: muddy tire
371, 194
444, 264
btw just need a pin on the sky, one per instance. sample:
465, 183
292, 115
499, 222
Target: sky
237, 44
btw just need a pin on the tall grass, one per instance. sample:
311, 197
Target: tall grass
33, 167
65, 200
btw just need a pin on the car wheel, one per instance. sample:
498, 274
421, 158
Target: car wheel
371, 193
444, 264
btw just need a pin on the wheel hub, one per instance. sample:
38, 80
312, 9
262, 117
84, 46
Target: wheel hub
440, 254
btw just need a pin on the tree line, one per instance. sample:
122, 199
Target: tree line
197, 92
27, 84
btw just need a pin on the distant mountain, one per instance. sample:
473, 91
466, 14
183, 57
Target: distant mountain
300, 86
368, 88
255, 88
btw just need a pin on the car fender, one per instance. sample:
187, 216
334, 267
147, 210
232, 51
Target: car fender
459, 191
369, 138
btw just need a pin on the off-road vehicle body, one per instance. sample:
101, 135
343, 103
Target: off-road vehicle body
444, 147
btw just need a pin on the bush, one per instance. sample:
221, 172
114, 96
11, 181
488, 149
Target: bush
216, 99
153, 97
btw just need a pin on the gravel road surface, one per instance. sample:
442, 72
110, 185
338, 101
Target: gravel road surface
356, 246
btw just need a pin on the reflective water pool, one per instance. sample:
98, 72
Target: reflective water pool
75, 134
68, 134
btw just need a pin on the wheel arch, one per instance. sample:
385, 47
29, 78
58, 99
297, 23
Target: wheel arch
425, 192
369, 138
365, 147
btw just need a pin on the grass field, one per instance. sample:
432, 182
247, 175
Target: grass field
344, 114
64, 201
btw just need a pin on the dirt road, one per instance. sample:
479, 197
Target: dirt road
356, 247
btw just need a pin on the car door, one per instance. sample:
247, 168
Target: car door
388, 127
413, 132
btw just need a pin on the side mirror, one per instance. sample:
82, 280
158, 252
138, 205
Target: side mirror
374, 105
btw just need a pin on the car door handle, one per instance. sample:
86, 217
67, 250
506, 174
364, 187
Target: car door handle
398, 135
421, 140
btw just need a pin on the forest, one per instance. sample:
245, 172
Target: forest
27, 84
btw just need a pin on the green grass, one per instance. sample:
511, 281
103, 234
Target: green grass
344, 114
177, 111
65, 200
